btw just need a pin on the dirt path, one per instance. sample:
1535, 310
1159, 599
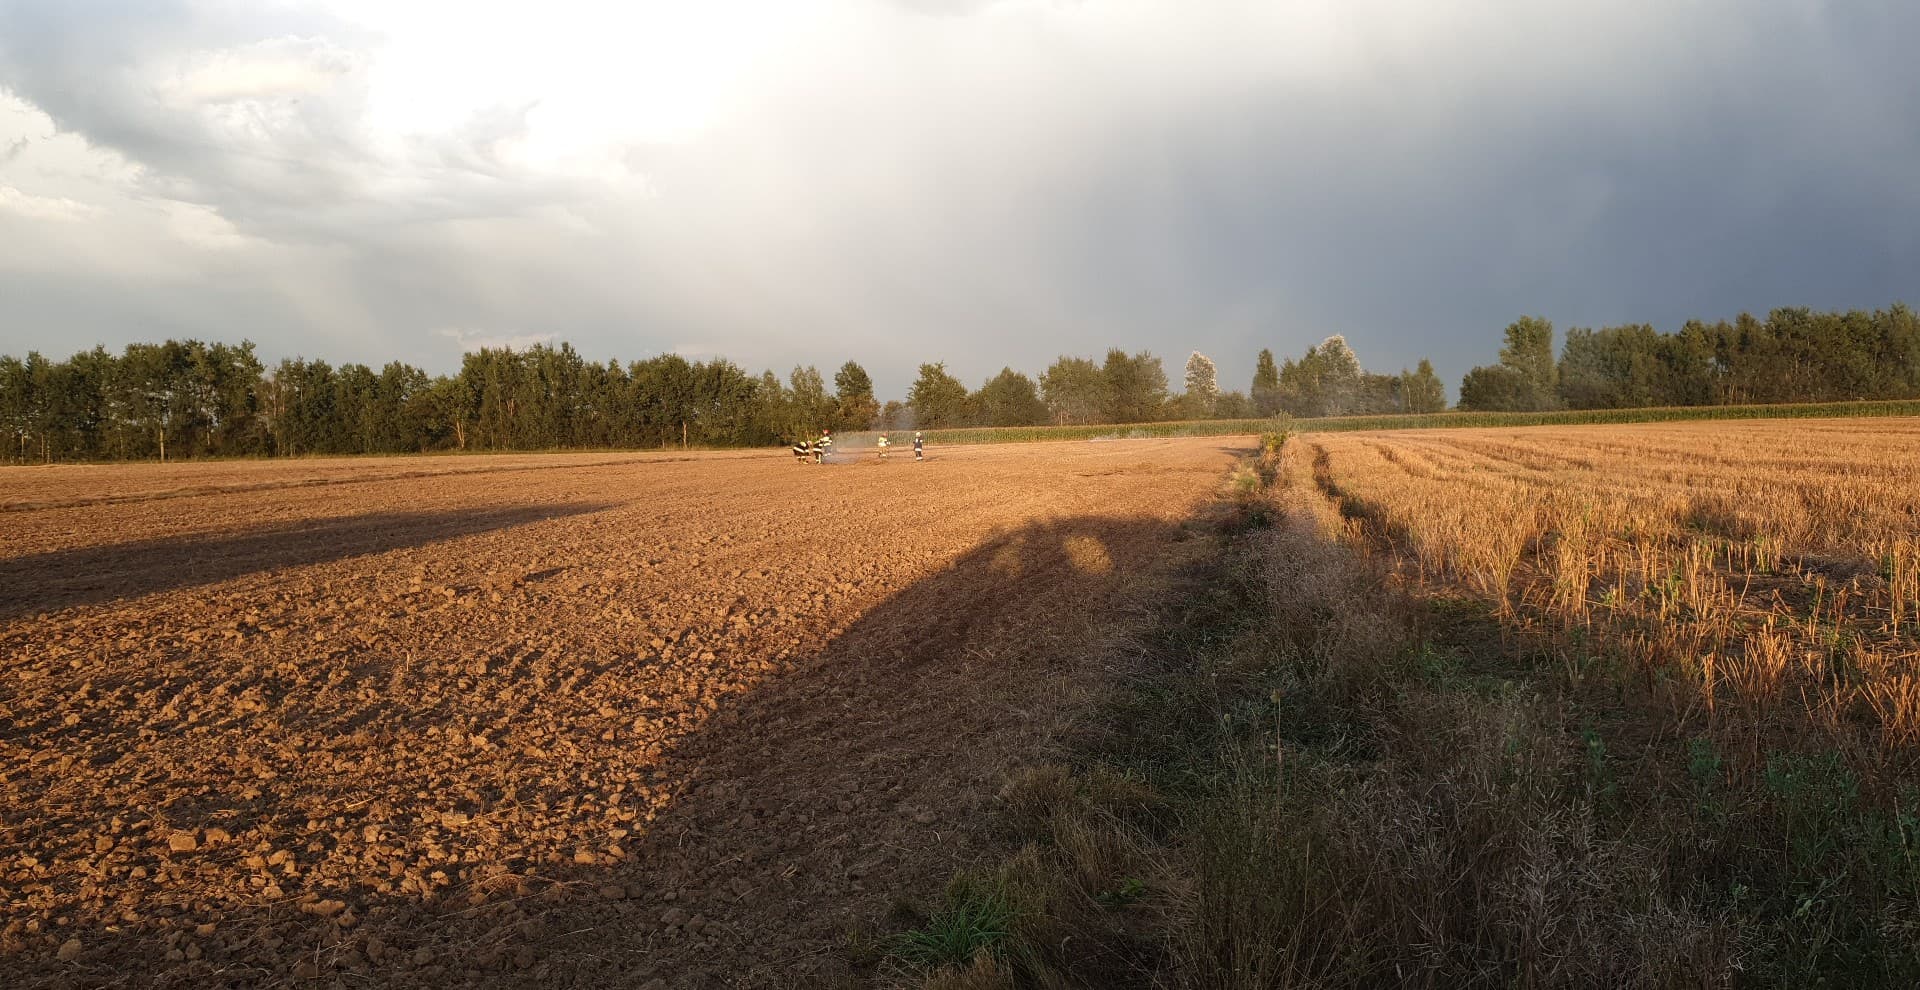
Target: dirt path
599, 721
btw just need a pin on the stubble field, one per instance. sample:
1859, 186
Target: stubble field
1766, 574
584, 718
1639, 705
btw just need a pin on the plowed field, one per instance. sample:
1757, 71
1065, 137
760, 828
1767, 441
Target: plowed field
589, 719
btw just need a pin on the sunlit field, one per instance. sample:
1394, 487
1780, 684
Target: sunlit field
1557, 706
1751, 577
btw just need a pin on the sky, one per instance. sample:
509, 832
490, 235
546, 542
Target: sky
976, 182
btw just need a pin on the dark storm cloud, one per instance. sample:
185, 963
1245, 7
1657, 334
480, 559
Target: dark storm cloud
1049, 183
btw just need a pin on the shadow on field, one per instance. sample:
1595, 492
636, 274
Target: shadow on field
802, 809
91, 575
809, 807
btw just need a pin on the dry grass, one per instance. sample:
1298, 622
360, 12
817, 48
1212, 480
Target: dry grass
1560, 707
1724, 615
1755, 577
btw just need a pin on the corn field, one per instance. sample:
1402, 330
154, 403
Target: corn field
1430, 421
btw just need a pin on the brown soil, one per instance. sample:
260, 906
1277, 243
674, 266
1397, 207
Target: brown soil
599, 720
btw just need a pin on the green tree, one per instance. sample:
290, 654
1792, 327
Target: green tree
154, 398
1614, 368
1136, 387
1529, 352
812, 409
1528, 379
661, 398
1265, 393
550, 397
231, 379
1302, 392
390, 421
1338, 377
303, 411
938, 399
441, 413
1203, 385
1495, 388
1423, 390
1009, 399
853, 391
1233, 405
19, 403
722, 412
768, 410
74, 411
1075, 391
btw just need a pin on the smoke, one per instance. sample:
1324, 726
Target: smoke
854, 447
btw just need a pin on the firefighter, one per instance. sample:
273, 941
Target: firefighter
802, 449
882, 443
822, 447
919, 446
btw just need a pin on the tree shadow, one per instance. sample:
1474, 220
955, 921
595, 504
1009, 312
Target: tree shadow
92, 575
801, 808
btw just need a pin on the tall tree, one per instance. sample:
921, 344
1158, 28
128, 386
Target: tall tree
1529, 349
853, 390
1074, 390
1265, 393
1203, 384
441, 411
811, 408
1136, 387
1423, 390
770, 416
938, 399
1340, 377
19, 402
1009, 399
1529, 352
154, 395
722, 412
1527, 379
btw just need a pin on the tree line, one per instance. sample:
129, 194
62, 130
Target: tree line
1133, 388
192, 399
1794, 355
187, 398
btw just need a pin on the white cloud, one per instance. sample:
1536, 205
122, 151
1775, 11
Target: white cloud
273, 69
59, 209
469, 339
203, 227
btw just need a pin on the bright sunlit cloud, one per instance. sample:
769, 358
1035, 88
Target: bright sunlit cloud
589, 76
986, 182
